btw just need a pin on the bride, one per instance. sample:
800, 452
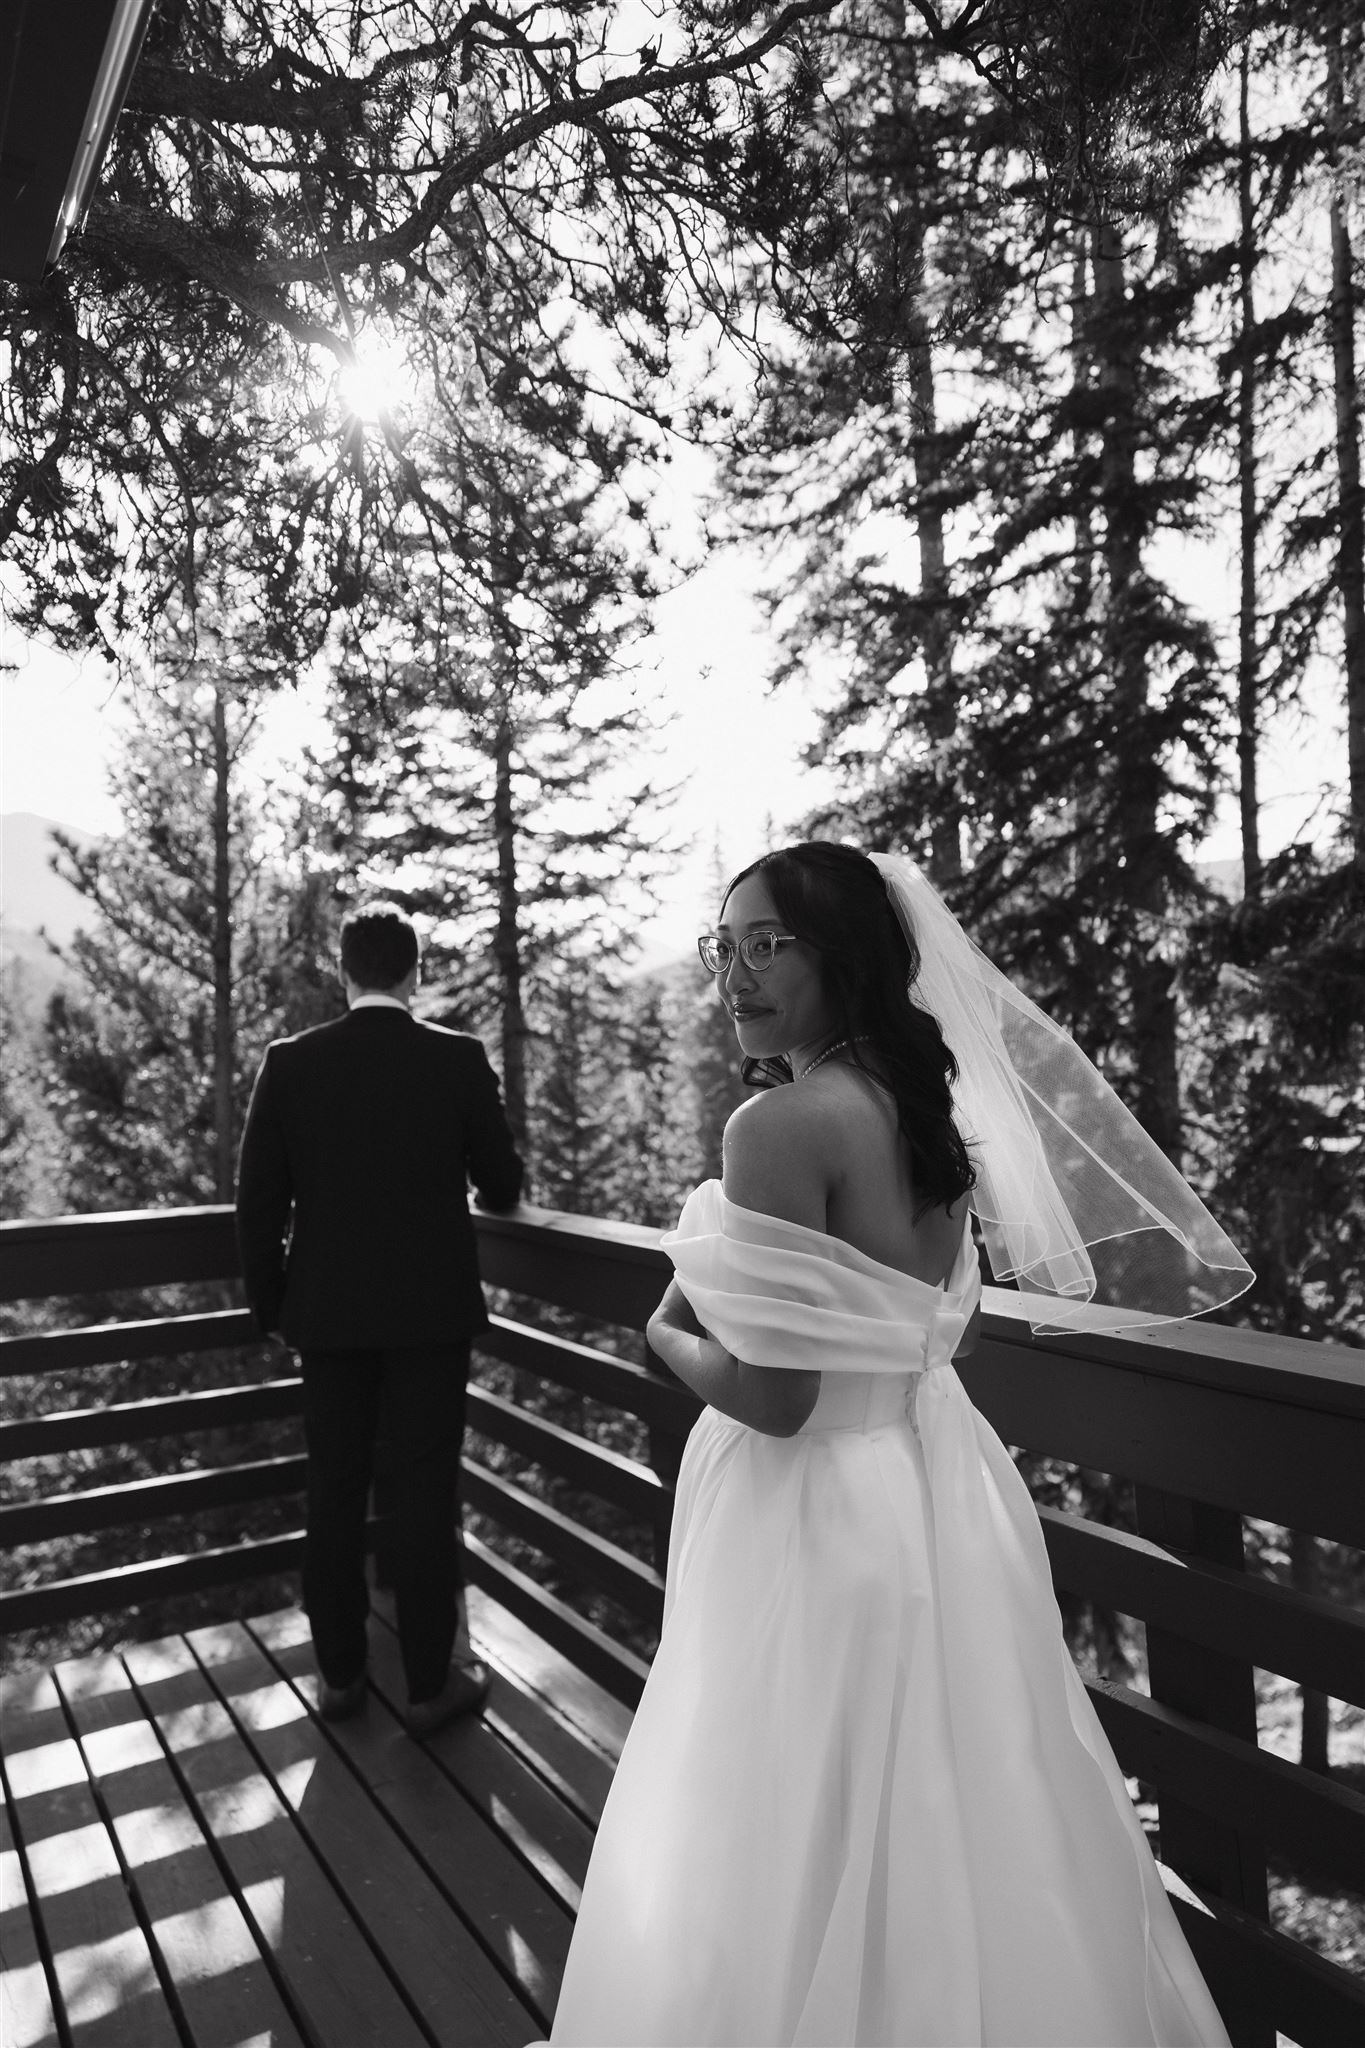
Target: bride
865, 1798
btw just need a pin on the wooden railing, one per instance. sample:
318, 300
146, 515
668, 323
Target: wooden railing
1209, 1424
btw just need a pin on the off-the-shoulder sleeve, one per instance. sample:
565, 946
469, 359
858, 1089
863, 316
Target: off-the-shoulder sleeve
777, 1294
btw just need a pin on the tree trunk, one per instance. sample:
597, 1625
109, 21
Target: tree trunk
1350, 511
507, 937
224, 1048
940, 711
1083, 572
1248, 650
1081, 807
1141, 914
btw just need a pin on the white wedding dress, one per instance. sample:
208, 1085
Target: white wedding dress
865, 1798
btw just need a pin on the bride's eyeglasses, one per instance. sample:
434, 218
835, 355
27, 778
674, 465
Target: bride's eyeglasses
757, 950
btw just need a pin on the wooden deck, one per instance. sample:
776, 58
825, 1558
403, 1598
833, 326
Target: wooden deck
192, 1857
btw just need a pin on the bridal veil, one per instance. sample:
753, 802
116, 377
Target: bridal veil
1077, 1205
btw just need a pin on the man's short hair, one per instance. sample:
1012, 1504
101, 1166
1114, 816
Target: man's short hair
379, 945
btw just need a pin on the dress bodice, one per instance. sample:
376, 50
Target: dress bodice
780, 1294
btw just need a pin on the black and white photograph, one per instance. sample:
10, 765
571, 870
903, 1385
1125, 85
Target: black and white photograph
682, 1024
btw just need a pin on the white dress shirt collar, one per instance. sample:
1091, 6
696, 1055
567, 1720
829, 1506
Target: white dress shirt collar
373, 1000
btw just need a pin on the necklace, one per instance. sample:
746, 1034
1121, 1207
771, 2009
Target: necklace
840, 1045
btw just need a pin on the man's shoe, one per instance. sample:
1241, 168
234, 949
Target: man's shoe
341, 1702
464, 1692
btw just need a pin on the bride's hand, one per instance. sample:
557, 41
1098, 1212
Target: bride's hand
681, 1342
675, 1311
766, 1398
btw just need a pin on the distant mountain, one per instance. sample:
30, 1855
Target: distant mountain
32, 898
659, 963
34, 901
1223, 875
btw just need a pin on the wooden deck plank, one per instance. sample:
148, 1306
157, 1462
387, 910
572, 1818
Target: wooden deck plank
520, 1718
542, 1825
332, 1977
106, 1979
596, 1717
546, 1833
575, 1751
304, 1883
26, 2017
455, 1989
588, 1647
206, 1944
516, 1919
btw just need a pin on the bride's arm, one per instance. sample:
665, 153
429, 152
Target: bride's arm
765, 1398
773, 1163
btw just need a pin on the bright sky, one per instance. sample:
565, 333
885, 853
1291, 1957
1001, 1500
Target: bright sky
733, 746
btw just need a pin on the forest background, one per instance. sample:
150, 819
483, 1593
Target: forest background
1024, 345
991, 331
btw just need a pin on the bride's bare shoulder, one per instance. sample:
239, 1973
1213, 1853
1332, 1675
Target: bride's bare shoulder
779, 1116
776, 1156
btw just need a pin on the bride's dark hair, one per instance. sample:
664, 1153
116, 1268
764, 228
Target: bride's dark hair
834, 897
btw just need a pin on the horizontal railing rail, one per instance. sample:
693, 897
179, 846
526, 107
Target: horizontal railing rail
161, 1578
120, 1249
1314, 1641
143, 1500
1210, 1424
125, 1343
137, 1422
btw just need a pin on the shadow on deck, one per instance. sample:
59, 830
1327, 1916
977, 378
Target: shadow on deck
197, 1858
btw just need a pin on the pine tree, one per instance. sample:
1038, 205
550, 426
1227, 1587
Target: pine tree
484, 719
292, 190
30, 1172
1275, 980
677, 1083
1249, 681
1344, 50
711, 1061
208, 936
206, 944
576, 1139
1033, 711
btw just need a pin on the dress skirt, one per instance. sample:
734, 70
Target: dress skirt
865, 1799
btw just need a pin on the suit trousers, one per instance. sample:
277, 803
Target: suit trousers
396, 1414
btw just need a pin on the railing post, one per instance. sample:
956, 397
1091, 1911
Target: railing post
1303, 1573
1221, 1691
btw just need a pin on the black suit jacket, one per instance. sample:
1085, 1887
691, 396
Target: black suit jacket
352, 1206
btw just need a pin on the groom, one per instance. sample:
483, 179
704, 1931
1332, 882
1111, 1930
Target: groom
358, 1249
